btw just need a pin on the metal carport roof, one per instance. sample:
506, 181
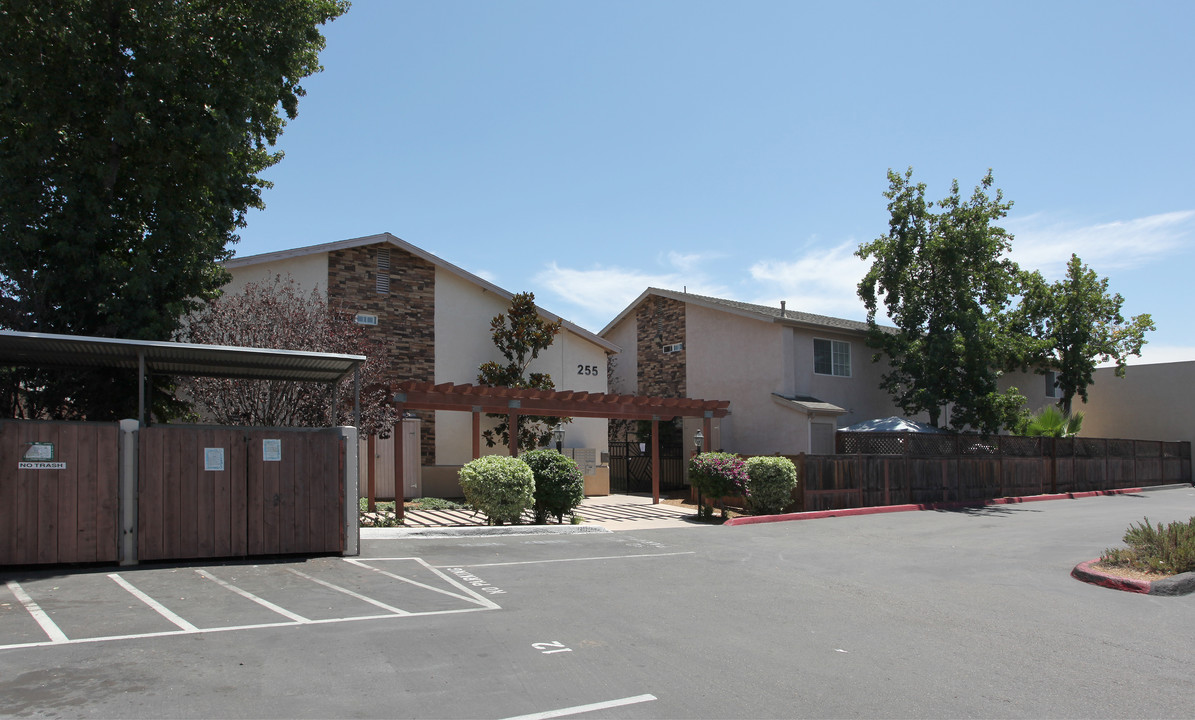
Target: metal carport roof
170, 358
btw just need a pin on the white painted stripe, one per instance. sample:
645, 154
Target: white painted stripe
47, 625
172, 633
470, 596
578, 709
158, 607
260, 601
350, 593
580, 559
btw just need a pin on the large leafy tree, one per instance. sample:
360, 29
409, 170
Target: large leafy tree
520, 335
132, 135
1078, 325
945, 281
277, 315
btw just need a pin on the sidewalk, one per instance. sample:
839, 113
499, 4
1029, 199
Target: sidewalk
612, 512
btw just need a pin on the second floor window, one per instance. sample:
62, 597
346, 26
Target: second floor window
831, 357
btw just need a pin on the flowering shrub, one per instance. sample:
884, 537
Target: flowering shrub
770, 484
500, 487
718, 474
559, 485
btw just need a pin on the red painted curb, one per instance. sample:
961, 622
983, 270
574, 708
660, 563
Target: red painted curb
850, 512
1083, 571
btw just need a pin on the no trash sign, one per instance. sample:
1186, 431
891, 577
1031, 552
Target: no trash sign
40, 456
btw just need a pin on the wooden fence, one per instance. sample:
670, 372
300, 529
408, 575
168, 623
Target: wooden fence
873, 469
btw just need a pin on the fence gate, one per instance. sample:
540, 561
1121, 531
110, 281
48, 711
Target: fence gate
59, 492
630, 467
224, 492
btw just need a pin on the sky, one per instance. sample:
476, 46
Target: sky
586, 151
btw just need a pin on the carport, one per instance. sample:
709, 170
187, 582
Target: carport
102, 492
515, 402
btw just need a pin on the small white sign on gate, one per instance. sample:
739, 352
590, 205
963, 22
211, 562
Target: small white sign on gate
271, 450
213, 459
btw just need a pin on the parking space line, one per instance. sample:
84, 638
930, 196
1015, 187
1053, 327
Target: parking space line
350, 593
470, 595
51, 629
560, 560
157, 607
578, 709
250, 596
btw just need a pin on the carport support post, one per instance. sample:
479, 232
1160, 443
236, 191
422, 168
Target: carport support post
128, 491
370, 469
400, 464
655, 460
352, 521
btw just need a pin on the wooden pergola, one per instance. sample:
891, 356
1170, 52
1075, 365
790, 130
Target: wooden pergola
516, 402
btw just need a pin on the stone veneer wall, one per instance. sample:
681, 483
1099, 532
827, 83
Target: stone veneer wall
661, 321
406, 315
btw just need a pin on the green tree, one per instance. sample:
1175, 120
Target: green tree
1078, 325
132, 135
946, 284
520, 334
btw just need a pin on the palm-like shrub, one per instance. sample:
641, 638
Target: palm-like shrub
499, 487
559, 484
1052, 422
770, 483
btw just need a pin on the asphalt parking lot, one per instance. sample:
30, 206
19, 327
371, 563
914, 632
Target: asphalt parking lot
967, 613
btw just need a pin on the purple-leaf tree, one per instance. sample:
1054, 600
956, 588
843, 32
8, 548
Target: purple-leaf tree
277, 315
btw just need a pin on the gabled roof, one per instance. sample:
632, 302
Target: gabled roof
401, 244
748, 310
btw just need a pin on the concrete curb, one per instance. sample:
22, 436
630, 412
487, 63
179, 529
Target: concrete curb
1182, 584
851, 512
478, 531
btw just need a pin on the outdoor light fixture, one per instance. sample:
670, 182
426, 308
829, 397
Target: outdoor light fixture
558, 436
699, 440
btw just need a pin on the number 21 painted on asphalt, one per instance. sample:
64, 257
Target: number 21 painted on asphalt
556, 644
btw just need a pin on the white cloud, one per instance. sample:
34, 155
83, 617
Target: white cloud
1047, 245
600, 293
822, 281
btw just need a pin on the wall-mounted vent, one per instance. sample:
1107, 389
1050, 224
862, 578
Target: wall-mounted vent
383, 278
673, 348
363, 319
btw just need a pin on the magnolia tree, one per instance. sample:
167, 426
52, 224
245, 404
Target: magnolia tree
277, 315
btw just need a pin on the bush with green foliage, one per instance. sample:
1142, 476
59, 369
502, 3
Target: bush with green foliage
770, 483
559, 484
499, 487
718, 475
1169, 550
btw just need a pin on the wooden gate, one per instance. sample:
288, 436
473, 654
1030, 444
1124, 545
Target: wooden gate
226, 492
59, 492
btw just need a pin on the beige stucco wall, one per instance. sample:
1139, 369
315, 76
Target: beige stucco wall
626, 362
1152, 402
310, 272
463, 314
740, 359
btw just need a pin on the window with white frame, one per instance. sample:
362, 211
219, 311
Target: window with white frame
831, 357
1051, 384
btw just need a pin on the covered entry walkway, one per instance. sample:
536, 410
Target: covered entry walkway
516, 402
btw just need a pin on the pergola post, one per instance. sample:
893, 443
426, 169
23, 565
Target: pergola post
707, 431
476, 432
655, 460
512, 426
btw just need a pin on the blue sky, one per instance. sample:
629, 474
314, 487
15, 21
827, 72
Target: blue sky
588, 150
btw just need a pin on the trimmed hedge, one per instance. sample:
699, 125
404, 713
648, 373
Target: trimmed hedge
499, 487
559, 484
770, 483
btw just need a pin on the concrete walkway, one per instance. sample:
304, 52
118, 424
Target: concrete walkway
613, 512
